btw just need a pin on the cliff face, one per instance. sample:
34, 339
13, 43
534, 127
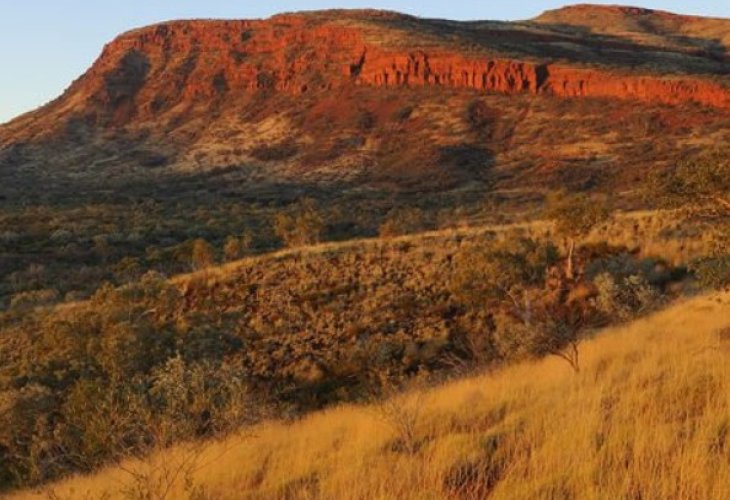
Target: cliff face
508, 76
152, 70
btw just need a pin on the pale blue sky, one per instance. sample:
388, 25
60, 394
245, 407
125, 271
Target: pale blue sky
45, 44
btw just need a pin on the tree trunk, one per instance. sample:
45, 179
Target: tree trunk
569, 273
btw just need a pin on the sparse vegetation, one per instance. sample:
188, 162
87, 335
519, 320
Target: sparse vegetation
402, 221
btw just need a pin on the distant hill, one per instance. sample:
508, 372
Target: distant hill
691, 34
379, 100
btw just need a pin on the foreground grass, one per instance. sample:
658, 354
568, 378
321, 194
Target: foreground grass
647, 417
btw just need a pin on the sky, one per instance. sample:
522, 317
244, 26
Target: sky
46, 44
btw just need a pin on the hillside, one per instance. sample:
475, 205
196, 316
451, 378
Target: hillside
157, 361
647, 417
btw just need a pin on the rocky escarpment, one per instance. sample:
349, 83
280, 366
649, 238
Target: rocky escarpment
170, 68
508, 76
364, 99
148, 71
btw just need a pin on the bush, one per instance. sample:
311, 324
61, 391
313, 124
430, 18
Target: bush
478, 116
624, 298
275, 152
366, 120
232, 249
34, 298
698, 183
303, 225
538, 323
402, 221
485, 274
110, 383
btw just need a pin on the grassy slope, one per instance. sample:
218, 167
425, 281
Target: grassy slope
648, 417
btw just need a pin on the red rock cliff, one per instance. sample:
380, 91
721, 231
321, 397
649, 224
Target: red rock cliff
153, 69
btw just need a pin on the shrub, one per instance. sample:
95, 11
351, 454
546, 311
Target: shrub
713, 272
403, 114
540, 324
127, 269
698, 183
366, 120
275, 152
202, 254
34, 298
485, 274
61, 236
232, 249
478, 115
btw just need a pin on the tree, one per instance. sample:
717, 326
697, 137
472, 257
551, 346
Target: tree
574, 216
232, 249
202, 254
545, 321
534, 310
302, 225
485, 275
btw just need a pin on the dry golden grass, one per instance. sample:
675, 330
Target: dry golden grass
647, 417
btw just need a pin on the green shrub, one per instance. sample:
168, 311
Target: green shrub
624, 298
